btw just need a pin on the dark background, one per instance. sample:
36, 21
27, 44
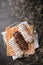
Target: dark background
12, 11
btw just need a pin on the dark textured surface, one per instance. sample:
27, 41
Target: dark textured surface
21, 10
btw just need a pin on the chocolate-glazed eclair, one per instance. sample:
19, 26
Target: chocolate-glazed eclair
26, 35
20, 40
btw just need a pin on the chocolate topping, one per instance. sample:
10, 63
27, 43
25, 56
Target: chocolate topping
20, 40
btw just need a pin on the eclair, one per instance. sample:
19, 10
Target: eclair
26, 35
20, 40
16, 48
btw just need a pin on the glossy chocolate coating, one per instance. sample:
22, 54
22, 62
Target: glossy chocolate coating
20, 40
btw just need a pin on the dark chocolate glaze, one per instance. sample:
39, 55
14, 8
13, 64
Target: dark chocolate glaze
20, 40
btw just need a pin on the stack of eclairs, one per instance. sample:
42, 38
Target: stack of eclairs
21, 40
